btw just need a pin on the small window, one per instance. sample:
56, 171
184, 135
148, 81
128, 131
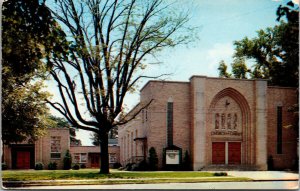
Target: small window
80, 157
170, 123
83, 158
112, 158
55, 150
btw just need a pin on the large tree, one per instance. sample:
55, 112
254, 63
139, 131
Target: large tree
275, 50
108, 44
112, 134
26, 36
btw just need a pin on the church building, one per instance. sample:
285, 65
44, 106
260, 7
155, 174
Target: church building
220, 122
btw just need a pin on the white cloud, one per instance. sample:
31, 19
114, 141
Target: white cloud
217, 53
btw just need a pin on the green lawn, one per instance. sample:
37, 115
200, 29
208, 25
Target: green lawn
91, 176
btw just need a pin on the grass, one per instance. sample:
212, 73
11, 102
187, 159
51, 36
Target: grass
22, 175
92, 176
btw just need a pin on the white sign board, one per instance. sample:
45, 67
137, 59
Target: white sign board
172, 157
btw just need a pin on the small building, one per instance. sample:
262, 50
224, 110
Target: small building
220, 123
52, 148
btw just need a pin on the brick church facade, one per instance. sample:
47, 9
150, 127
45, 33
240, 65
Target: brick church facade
233, 123
52, 147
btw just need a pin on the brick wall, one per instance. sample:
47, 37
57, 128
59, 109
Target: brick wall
43, 146
156, 128
284, 97
192, 125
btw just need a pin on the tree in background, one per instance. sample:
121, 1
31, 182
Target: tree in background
108, 44
26, 36
275, 50
58, 122
223, 70
239, 68
67, 161
291, 12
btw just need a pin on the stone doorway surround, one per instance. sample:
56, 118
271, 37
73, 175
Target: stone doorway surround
250, 97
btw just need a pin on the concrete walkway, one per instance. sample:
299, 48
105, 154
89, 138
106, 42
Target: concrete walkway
265, 175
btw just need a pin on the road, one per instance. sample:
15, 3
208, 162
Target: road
206, 185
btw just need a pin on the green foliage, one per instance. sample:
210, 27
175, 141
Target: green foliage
270, 162
290, 10
24, 113
26, 37
223, 70
94, 174
52, 166
220, 174
275, 51
152, 159
4, 166
39, 166
76, 167
67, 161
82, 166
239, 68
117, 165
26, 28
59, 122
186, 163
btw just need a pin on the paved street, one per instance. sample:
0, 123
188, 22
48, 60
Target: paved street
208, 185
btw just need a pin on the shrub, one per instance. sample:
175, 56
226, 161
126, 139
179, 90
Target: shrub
67, 161
52, 166
143, 165
4, 166
117, 165
270, 163
220, 174
76, 167
128, 166
153, 160
134, 167
82, 166
186, 164
39, 166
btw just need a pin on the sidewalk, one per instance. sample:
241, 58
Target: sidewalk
266, 175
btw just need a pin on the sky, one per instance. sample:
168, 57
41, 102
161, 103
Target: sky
220, 23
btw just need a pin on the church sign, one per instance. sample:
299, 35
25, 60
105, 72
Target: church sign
232, 133
172, 157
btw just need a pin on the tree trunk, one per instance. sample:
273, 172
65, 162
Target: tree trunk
104, 167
